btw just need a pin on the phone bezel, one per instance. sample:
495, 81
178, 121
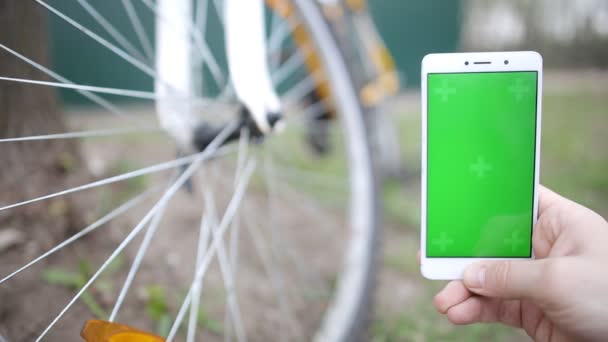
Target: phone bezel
453, 268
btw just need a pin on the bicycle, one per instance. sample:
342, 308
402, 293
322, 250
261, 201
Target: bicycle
259, 114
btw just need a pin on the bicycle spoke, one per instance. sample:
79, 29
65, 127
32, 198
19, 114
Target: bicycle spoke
270, 184
200, 18
127, 57
300, 122
93, 226
281, 242
203, 241
93, 97
233, 314
291, 64
235, 230
146, 95
303, 88
233, 206
200, 22
111, 30
140, 172
278, 36
156, 208
139, 29
308, 208
274, 24
277, 237
143, 248
314, 110
219, 10
275, 275
241, 159
140, 255
85, 134
112, 91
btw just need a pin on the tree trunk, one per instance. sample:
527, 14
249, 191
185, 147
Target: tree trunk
31, 168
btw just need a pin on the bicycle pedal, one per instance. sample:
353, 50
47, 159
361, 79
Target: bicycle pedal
102, 331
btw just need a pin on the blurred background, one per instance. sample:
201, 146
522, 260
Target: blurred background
569, 34
572, 36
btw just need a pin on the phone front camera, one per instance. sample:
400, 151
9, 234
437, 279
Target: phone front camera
506, 61
466, 63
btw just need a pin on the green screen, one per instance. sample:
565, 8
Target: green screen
481, 135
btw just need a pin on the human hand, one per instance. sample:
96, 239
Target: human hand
560, 296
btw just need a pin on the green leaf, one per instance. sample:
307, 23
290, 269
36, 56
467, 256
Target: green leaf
115, 265
85, 268
104, 286
58, 276
209, 323
163, 325
93, 306
157, 303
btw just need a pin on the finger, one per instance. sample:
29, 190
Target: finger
486, 310
509, 279
547, 198
467, 312
542, 241
550, 222
559, 218
418, 257
543, 235
452, 294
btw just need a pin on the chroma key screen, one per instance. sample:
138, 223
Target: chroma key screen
481, 136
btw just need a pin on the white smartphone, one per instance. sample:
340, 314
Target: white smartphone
480, 158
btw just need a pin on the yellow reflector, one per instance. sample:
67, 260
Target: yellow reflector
101, 331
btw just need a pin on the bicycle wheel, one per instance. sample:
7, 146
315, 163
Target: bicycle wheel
292, 254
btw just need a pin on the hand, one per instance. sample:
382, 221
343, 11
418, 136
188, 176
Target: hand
561, 296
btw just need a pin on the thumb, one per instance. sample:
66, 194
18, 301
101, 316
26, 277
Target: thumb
509, 279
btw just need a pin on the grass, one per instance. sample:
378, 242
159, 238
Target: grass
75, 280
574, 160
159, 311
157, 305
115, 194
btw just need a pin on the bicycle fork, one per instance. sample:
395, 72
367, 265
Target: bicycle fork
250, 78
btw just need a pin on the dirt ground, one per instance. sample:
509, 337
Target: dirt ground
304, 252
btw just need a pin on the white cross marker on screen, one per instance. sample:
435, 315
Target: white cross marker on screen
480, 167
515, 240
443, 241
519, 90
444, 91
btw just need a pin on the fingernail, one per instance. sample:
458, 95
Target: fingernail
475, 276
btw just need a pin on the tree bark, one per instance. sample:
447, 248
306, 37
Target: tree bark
31, 168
